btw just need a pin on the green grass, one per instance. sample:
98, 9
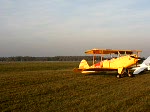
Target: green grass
54, 87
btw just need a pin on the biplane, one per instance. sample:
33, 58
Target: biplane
122, 63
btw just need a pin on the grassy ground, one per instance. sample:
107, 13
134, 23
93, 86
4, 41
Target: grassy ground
53, 87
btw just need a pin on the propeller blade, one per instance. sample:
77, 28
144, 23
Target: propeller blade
135, 57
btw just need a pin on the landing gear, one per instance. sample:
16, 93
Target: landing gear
125, 72
131, 75
128, 72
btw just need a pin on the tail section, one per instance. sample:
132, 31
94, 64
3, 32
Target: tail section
83, 64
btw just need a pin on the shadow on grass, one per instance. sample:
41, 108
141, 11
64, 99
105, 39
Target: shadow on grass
113, 73
103, 74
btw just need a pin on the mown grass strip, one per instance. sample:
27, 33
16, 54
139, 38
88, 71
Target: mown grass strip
36, 87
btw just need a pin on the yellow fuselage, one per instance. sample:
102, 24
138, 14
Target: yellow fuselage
124, 61
116, 63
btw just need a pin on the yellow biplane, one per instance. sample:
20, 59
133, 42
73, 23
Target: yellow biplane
122, 63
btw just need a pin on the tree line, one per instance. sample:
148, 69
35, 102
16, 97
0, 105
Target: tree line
55, 58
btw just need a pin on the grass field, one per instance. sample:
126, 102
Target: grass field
53, 87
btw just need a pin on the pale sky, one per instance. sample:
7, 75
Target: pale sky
70, 27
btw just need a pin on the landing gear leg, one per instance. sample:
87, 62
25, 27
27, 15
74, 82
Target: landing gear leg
124, 72
120, 72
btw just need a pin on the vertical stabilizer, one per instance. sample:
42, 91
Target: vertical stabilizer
83, 64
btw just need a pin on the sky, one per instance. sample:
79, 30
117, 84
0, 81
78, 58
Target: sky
70, 27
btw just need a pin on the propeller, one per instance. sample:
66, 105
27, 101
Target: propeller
135, 57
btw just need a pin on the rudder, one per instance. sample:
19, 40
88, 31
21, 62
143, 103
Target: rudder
83, 64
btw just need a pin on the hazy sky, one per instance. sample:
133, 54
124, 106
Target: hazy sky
70, 27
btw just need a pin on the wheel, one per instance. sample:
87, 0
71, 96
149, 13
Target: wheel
131, 75
119, 76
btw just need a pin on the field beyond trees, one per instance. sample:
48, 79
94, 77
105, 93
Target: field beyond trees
54, 87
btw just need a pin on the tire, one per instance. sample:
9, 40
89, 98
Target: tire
119, 76
131, 75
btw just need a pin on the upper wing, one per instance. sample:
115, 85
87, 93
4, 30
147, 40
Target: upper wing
139, 69
110, 51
